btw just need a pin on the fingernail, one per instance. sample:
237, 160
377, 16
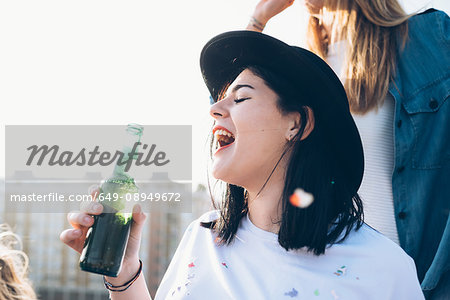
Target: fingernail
87, 219
92, 188
76, 232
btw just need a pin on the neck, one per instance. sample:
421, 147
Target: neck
265, 209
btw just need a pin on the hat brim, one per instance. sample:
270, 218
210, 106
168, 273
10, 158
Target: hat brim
319, 86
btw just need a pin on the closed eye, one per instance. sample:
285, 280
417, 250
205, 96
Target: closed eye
241, 99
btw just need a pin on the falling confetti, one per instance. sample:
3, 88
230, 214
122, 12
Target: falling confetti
190, 276
225, 265
301, 199
292, 293
341, 271
191, 265
316, 293
333, 293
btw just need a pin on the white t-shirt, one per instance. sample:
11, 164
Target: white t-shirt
366, 266
376, 128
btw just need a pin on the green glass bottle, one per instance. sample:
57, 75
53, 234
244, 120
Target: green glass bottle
107, 239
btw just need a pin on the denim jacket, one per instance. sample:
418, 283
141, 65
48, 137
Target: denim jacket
421, 176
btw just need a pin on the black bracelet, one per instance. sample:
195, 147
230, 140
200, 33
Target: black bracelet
117, 288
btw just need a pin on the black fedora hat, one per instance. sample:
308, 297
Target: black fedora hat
315, 81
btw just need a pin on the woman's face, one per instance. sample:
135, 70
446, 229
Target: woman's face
250, 132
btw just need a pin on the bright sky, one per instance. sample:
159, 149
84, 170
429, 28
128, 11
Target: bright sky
117, 62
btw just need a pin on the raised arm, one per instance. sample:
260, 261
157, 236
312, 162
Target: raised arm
264, 11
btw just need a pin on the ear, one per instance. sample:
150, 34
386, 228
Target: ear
293, 125
310, 124
295, 122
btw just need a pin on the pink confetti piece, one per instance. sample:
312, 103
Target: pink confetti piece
191, 265
301, 199
333, 293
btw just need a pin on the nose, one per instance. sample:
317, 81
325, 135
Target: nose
218, 110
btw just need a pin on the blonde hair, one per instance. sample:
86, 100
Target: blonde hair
375, 31
14, 284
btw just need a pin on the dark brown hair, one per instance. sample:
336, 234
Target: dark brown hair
312, 166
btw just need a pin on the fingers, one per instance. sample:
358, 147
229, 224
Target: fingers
79, 219
138, 223
69, 235
134, 240
138, 216
91, 207
94, 190
73, 238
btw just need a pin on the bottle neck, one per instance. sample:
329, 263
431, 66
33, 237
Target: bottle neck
129, 150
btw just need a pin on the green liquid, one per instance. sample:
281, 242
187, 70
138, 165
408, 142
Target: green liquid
107, 239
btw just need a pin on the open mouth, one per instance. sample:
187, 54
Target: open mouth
222, 137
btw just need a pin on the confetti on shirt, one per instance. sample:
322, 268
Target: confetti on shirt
225, 265
301, 199
316, 293
191, 265
341, 271
292, 293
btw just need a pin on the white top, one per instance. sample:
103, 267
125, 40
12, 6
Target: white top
366, 266
377, 134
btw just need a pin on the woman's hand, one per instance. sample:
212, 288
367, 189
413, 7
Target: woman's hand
82, 220
266, 9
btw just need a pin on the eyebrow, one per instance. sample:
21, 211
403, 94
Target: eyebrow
239, 86
235, 89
